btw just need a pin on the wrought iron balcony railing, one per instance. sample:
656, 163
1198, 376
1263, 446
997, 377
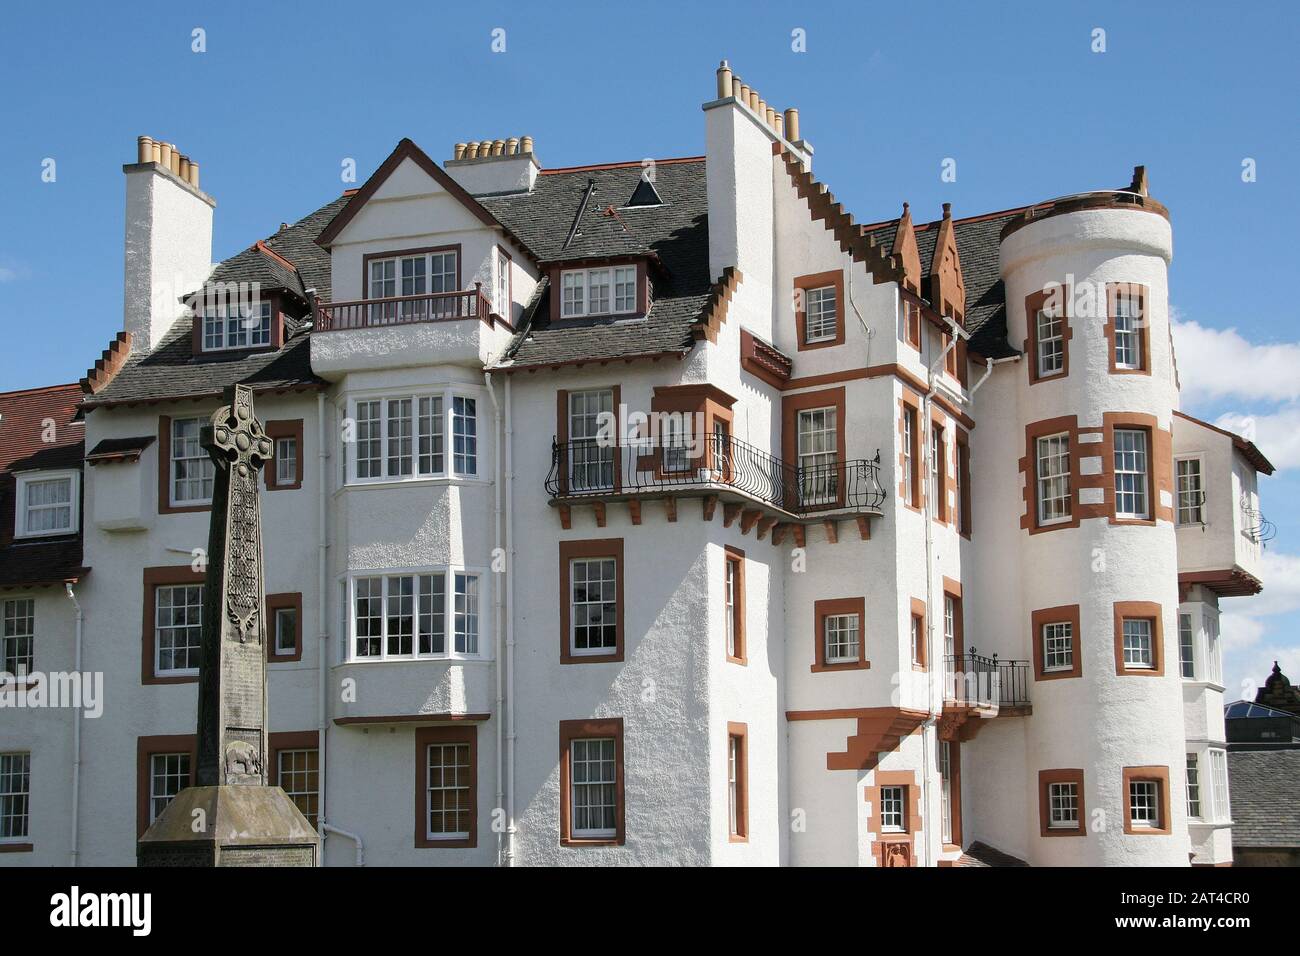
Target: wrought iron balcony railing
590, 469
1254, 525
404, 310
978, 681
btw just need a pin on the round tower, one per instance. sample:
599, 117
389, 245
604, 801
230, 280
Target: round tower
1087, 301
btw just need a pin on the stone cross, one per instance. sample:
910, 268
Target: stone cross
232, 741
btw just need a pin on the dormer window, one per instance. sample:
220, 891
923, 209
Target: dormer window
236, 326
605, 291
47, 504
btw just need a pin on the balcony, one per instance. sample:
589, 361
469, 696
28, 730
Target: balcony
752, 486
985, 686
439, 328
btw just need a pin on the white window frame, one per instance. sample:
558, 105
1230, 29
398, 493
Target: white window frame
1186, 645
1062, 795
817, 444
730, 572
579, 282
286, 463
945, 790
226, 332
1055, 337
1213, 653
158, 626
893, 809
1152, 822
590, 833
820, 324
909, 439
441, 435
1128, 332
277, 648
734, 761
14, 613
207, 470
16, 772
843, 631
1054, 449
167, 774
1057, 631
1139, 474
1195, 513
1195, 798
461, 785
1221, 807
503, 302
1149, 637
22, 511
477, 611
287, 777
603, 650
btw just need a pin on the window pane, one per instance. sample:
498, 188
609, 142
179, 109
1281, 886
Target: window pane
431, 436
178, 626
15, 795
450, 799
297, 772
192, 469
464, 435
593, 798
466, 611
169, 774
433, 613
368, 440
1131, 473
17, 637
843, 642
1053, 478
820, 314
593, 609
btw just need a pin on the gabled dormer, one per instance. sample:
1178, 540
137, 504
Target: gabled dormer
946, 288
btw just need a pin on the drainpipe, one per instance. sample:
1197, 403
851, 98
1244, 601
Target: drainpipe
510, 632
498, 599
361, 850
924, 428
76, 730
322, 648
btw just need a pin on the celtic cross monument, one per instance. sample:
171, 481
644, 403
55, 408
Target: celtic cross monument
231, 817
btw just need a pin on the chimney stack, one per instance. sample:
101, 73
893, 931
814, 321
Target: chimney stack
494, 165
168, 249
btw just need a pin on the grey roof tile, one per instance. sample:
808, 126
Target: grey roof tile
1262, 785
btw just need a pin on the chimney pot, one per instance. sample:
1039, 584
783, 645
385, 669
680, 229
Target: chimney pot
184, 170
165, 155
498, 147
155, 152
771, 117
753, 99
724, 80
744, 93
193, 177
779, 124
471, 149
144, 149
512, 146
792, 125
947, 210
459, 152
735, 87
526, 144
176, 159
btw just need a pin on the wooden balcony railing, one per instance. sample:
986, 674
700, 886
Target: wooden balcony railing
405, 310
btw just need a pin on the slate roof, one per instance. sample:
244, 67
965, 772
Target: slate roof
297, 244
23, 417
1262, 787
675, 234
978, 238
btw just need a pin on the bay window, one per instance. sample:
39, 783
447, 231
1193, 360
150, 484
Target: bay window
404, 616
609, 290
403, 437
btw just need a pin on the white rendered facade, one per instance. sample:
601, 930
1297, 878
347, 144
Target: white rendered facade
791, 748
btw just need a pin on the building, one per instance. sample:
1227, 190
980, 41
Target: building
901, 546
1264, 771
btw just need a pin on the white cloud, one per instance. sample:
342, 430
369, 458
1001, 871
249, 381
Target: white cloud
1221, 363
1276, 433
1255, 630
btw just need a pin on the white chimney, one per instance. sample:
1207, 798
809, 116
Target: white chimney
168, 240
494, 166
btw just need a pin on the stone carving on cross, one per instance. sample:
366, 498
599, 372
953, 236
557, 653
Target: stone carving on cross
237, 444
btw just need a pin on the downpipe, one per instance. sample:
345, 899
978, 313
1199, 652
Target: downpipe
76, 732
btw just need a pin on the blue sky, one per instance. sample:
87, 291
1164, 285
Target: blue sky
285, 92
